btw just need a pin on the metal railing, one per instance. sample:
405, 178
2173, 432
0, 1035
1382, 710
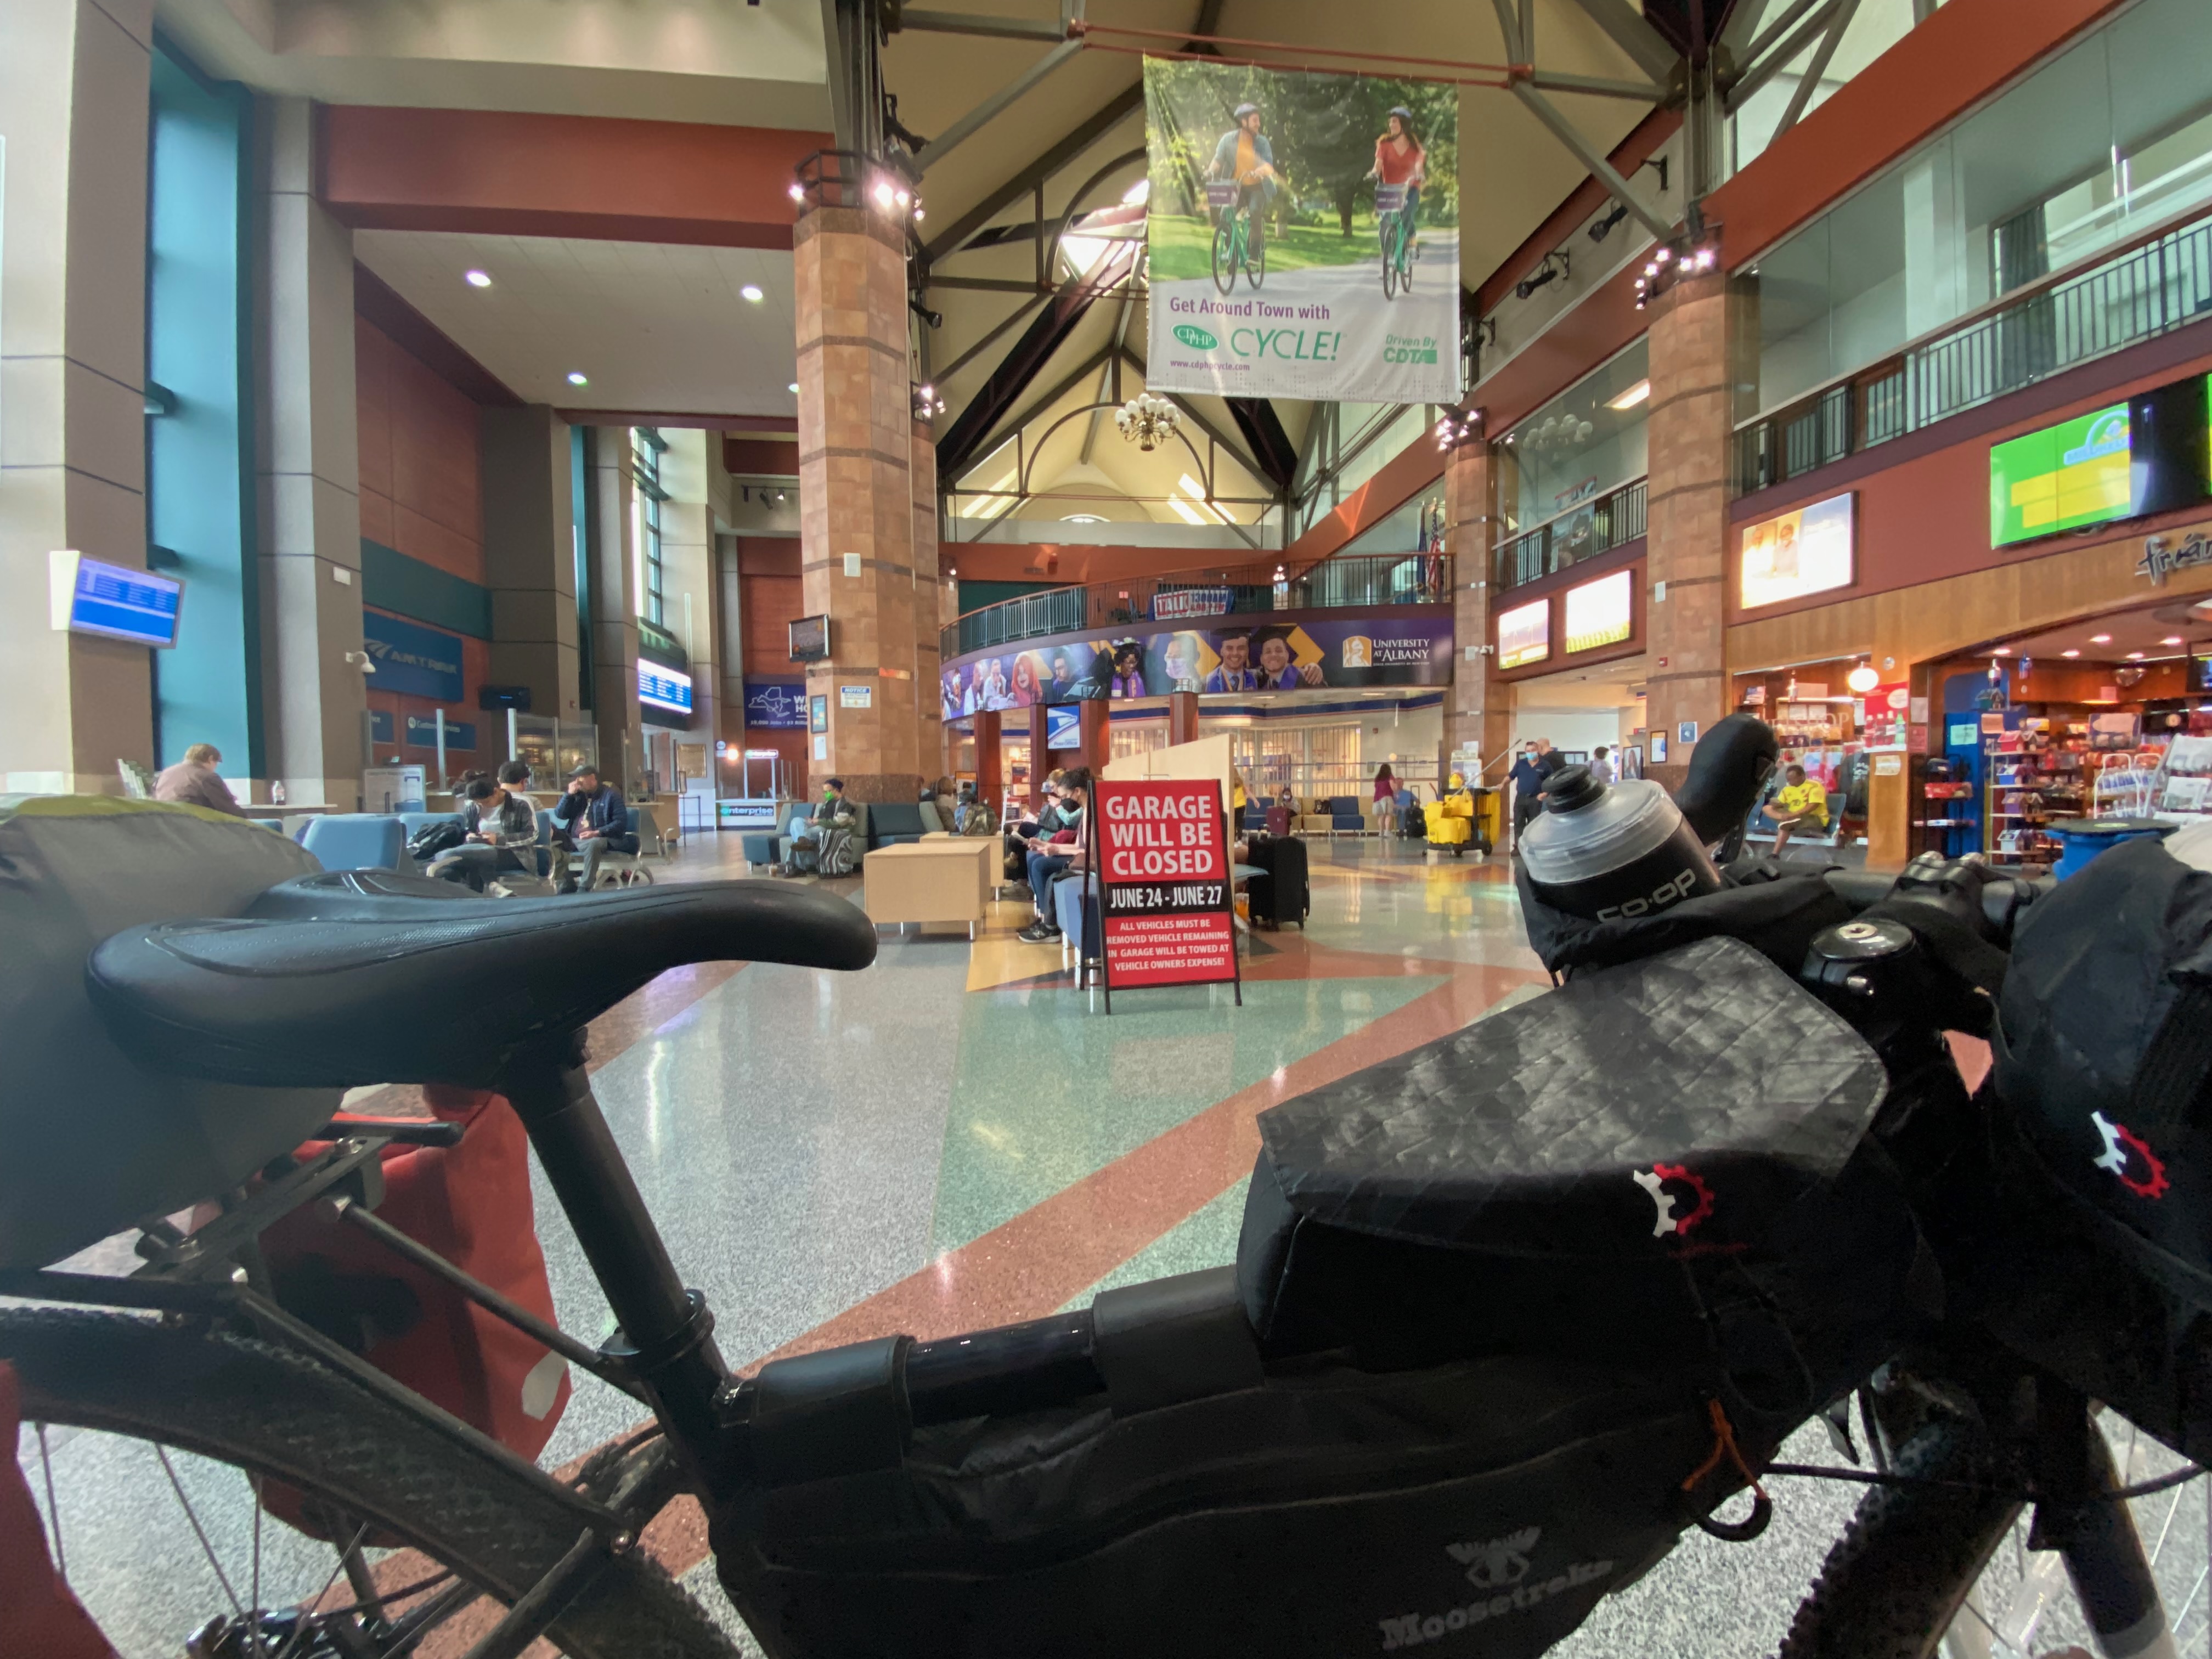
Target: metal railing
1579, 533
2149, 291
1348, 581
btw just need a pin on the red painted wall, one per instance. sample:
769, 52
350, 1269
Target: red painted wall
770, 598
421, 496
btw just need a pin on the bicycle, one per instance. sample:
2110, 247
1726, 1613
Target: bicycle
1393, 228
1329, 1418
1238, 241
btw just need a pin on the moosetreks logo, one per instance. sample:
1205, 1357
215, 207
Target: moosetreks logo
1500, 1562
1194, 336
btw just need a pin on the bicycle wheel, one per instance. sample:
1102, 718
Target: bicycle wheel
1924, 1571
1225, 255
1390, 271
475, 1533
1256, 257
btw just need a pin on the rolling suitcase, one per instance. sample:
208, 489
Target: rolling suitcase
1282, 894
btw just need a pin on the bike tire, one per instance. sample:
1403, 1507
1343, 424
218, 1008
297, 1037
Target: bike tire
1893, 1583
1389, 275
1224, 264
1255, 259
273, 1411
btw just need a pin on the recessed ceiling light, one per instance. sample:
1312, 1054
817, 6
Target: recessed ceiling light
2100, 639
575, 378
2135, 656
752, 291
479, 279
2069, 653
794, 388
2002, 651
2171, 639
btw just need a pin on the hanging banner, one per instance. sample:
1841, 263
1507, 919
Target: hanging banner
1160, 847
1303, 234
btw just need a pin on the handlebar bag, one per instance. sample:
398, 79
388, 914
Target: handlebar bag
91, 1143
1660, 1163
472, 1204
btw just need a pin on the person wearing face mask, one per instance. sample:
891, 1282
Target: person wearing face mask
1528, 775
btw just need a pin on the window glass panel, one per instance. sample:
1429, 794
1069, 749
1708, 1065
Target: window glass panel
1584, 442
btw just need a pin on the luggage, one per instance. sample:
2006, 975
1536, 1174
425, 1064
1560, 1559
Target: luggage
433, 839
472, 1204
836, 852
1281, 894
1279, 821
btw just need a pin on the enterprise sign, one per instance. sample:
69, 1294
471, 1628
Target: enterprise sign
660, 686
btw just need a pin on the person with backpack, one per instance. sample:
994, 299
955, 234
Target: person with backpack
498, 830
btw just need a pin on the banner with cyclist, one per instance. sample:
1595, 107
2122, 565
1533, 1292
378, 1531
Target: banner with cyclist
1304, 234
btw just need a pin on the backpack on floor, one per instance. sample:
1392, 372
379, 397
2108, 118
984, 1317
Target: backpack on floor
1281, 894
472, 1204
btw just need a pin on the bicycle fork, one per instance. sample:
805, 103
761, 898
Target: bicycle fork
2095, 1535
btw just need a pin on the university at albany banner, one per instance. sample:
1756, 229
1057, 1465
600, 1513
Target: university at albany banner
1303, 234
1285, 651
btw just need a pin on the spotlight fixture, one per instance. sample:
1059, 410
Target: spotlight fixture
2171, 639
927, 403
478, 279
1554, 267
577, 378
2069, 653
1458, 427
2100, 639
1603, 227
1693, 254
752, 291
793, 388
798, 191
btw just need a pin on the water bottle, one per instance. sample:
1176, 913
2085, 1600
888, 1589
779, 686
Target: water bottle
1612, 852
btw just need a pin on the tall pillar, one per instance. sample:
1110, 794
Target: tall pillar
730, 657
990, 768
929, 651
73, 111
855, 495
1477, 713
1695, 338
1183, 717
1097, 735
315, 698
530, 555
687, 566
614, 608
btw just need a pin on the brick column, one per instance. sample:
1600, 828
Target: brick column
1183, 717
1695, 337
990, 768
1479, 710
928, 707
856, 494
1098, 735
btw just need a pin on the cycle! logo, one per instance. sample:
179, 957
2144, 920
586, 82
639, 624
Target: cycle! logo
1656, 1181
2130, 1158
1194, 336
1500, 1562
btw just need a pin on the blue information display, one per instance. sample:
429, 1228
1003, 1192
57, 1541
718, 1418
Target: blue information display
660, 686
412, 660
114, 601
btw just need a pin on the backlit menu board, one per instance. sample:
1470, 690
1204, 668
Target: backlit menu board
1524, 634
1795, 553
1600, 612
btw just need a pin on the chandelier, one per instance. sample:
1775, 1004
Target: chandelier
1146, 421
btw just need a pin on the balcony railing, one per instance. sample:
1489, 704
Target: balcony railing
1581, 532
1347, 582
2150, 290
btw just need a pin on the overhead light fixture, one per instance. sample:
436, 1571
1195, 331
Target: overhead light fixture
1555, 266
478, 279
1863, 678
926, 404
576, 379
1635, 395
1603, 227
2069, 653
798, 192
2100, 639
2135, 656
752, 291
2002, 651
1147, 422
793, 388
2171, 639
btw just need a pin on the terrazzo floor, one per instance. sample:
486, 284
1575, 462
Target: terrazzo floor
957, 1138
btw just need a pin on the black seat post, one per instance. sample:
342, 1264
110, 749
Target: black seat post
667, 1333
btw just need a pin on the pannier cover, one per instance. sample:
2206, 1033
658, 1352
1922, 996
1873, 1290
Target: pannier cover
88, 1142
1550, 1127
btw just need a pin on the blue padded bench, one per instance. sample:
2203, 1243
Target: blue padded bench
896, 824
357, 841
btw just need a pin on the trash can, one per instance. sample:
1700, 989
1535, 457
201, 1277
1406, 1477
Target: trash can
2085, 839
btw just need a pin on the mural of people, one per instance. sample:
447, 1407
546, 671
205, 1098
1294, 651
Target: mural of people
1235, 672
1183, 662
1128, 669
1278, 673
954, 697
1026, 690
991, 690
1063, 678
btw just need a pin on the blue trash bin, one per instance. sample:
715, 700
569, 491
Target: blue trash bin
2084, 841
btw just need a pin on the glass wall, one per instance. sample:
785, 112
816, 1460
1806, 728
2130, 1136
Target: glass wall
1589, 440
2109, 140
1875, 28
646, 447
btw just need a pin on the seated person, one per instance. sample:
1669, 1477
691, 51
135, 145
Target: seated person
1062, 854
514, 778
501, 835
1041, 825
193, 781
832, 809
591, 818
1802, 802
971, 813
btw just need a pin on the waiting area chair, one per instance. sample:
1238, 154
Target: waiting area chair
357, 841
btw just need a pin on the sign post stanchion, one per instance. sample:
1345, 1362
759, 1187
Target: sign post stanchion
1167, 909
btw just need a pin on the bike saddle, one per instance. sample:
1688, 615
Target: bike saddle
408, 988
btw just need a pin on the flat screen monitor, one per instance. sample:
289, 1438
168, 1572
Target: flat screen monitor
2150, 454
660, 686
1808, 550
809, 639
113, 600
1524, 634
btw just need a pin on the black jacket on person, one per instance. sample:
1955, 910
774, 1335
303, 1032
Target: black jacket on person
604, 811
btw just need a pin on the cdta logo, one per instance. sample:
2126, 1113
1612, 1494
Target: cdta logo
1192, 335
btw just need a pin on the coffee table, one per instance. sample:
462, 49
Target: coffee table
930, 881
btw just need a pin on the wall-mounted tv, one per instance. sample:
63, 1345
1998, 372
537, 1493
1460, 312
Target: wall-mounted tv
86, 595
1809, 551
1524, 634
809, 639
2150, 454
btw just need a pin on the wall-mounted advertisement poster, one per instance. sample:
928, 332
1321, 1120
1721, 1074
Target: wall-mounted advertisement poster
1796, 554
775, 705
1063, 727
1303, 231
1524, 634
1291, 651
1601, 612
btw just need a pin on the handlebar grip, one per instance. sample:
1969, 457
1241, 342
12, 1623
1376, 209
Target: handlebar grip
1860, 888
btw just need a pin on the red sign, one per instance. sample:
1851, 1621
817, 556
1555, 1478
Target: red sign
1163, 861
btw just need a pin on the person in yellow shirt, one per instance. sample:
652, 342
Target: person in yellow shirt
1802, 802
